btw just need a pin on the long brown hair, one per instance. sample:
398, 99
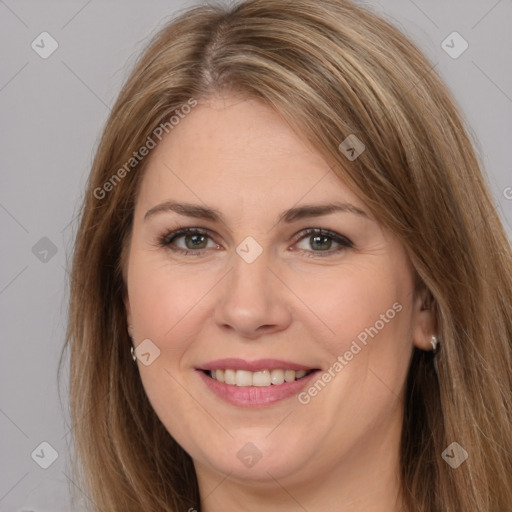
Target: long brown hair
332, 69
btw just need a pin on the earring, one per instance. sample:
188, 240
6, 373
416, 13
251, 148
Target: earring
132, 349
434, 342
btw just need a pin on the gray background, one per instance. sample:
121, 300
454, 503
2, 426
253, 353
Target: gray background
52, 113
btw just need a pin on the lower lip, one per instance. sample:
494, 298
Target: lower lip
254, 396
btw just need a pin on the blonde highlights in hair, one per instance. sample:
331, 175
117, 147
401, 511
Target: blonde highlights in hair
331, 69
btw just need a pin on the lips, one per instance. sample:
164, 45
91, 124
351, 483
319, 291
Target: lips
255, 383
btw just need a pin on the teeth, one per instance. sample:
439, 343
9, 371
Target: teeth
229, 376
243, 378
289, 375
277, 377
262, 378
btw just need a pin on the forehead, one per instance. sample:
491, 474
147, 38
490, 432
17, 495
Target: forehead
239, 152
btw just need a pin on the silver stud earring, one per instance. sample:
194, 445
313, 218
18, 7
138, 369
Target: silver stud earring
434, 342
132, 349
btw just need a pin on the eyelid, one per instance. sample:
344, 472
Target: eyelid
343, 242
169, 237
342, 239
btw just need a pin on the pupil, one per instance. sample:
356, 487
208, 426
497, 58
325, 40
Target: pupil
324, 238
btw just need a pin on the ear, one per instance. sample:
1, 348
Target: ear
424, 322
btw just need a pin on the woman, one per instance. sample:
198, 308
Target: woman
290, 287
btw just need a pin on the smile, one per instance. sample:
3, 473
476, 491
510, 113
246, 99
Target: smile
255, 383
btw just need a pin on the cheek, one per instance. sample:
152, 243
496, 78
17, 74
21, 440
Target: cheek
166, 305
164, 301
350, 300
367, 311
372, 317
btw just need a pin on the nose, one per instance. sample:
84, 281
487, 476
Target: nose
253, 300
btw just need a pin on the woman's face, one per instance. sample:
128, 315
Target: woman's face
255, 290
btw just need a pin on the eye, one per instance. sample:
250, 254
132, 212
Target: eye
194, 241
321, 241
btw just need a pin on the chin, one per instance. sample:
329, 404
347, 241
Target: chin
258, 457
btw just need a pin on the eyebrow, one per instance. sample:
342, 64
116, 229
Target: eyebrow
288, 216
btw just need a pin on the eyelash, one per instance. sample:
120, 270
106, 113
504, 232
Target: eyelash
167, 239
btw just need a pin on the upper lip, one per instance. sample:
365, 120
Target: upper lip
234, 363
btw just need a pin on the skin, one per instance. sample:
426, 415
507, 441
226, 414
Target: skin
240, 157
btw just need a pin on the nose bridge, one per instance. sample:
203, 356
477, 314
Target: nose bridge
252, 300
249, 278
